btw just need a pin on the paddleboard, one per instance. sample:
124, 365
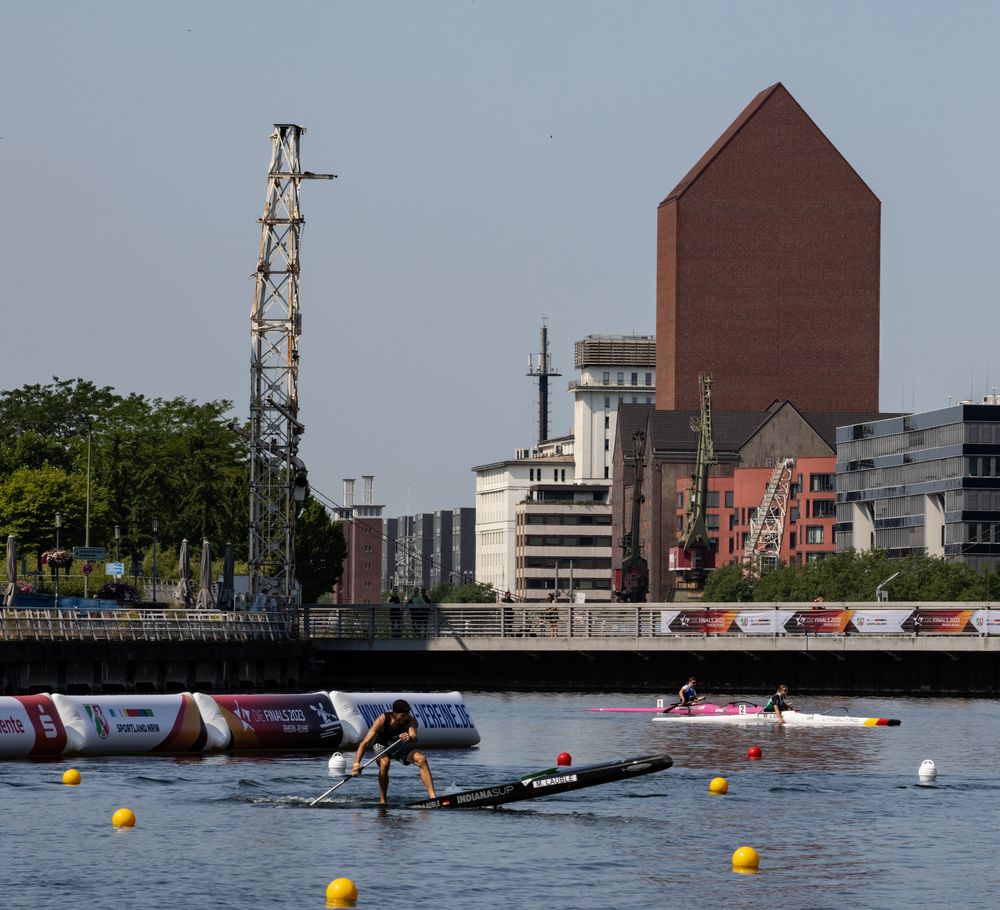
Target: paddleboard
548, 783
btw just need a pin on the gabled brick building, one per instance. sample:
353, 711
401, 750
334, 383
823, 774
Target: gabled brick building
768, 271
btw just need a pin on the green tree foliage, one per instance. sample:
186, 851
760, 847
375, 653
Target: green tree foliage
854, 576
320, 550
727, 585
30, 498
174, 459
475, 593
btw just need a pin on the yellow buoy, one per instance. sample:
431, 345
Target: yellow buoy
71, 777
746, 859
718, 785
341, 892
123, 818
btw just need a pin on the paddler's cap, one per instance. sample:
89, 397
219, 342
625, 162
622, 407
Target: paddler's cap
400, 706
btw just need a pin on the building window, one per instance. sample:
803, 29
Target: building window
531, 474
563, 473
635, 399
607, 422
635, 379
732, 522
814, 534
793, 514
680, 500
680, 522
607, 471
606, 377
729, 499
821, 483
607, 444
824, 508
791, 540
712, 520
555, 473
621, 378
713, 500
649, 399
649, 379
607, 402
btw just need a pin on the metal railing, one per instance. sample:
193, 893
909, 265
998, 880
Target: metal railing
140, 625
642, 621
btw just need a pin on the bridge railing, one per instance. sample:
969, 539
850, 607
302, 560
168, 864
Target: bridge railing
562, 620
140, 625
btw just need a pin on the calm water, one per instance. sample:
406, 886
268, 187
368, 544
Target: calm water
836, 815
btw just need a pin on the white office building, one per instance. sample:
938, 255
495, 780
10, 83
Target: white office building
613, 369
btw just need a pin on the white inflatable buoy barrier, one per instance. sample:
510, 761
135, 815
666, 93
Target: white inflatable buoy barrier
442, 718
337, 764
927, 771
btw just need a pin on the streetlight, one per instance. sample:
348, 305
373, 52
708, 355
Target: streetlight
118, 540
156, 527
56, 574
86, 533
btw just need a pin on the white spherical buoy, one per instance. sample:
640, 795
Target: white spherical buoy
927, 771
337, 764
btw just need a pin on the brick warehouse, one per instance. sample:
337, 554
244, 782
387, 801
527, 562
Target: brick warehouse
768, 271
767, 278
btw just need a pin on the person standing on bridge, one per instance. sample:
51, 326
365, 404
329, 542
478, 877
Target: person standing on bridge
394, 734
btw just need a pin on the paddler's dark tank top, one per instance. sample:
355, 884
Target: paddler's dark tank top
390, 731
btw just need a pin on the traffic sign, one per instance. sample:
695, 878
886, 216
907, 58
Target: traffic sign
87, 568
114, 568
89, 553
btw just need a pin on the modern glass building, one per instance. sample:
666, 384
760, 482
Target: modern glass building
923, 484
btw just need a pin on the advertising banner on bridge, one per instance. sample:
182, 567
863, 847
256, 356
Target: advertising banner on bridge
877, 622
818, 622
30, 725
943, 622
762, 622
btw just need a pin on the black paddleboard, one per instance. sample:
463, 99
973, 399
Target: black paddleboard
547, 783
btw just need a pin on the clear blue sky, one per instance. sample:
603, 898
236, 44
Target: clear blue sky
498, 161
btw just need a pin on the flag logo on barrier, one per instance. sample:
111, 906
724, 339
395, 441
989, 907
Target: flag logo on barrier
98, 719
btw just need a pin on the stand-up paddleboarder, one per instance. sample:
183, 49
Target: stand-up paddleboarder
397, 724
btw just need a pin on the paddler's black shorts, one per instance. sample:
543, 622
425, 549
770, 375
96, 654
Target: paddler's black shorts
400, 752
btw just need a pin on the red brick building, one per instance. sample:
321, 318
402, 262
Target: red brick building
768, 271
361, 581
732, 501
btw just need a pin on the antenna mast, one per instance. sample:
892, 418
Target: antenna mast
277, 475
542, 369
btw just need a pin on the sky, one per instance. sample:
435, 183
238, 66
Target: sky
498, 163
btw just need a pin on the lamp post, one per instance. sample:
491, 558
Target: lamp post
118, 540
55, 575
156, 527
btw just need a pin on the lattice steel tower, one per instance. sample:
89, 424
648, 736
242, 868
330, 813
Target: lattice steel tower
541, 369
277, 475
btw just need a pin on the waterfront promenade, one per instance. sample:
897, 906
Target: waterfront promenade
898, 648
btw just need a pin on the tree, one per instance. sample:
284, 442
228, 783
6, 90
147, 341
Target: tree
728, 585
320, 550
30, 498
475, 593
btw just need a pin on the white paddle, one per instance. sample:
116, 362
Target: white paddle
347, 777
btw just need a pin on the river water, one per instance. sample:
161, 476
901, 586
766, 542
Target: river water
836, 814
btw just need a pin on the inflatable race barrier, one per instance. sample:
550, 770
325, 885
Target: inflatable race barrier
251, 722
132, 724
30, 725
51, 725
442, 719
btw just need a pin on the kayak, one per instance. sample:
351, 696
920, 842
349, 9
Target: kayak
733, 707
744, 712
548, 783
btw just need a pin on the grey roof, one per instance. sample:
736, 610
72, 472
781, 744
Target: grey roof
670, 431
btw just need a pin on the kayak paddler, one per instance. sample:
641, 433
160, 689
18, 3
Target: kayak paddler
776, 704
688, 695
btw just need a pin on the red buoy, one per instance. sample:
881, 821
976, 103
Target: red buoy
564, 759
754, 752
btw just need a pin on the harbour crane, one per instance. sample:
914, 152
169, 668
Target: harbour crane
635, 570
278, 479
694, 553
762, 549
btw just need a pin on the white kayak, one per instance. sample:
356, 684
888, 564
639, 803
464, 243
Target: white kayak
792, 718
